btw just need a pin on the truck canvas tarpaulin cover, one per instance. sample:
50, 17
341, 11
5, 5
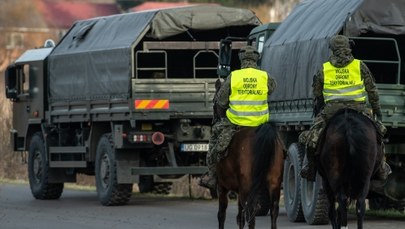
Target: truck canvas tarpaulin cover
299, 46
94, 58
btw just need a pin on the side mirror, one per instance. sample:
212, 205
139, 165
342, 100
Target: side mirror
224, 59
11, 82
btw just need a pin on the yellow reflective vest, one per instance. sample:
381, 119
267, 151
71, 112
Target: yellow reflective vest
343, 84
248, 99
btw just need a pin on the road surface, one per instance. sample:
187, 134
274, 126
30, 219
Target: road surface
81, 210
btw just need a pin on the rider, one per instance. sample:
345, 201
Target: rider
244, 96
355, 82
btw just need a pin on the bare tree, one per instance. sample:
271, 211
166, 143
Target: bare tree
13, 14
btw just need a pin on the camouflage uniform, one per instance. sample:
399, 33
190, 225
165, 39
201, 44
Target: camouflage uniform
341, 57
221, 136
223, 130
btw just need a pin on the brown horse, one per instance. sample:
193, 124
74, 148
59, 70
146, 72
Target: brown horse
254, 162
348, 151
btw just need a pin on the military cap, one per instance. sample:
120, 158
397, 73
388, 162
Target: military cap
248, 53
339, 42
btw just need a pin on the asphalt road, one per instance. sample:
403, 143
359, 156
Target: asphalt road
81, 210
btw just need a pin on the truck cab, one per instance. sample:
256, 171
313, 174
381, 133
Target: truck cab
262, 33
26, 86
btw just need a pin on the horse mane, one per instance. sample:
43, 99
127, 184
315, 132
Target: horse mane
352, 127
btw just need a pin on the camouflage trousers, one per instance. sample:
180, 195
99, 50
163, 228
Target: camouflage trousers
310, 137
221, 135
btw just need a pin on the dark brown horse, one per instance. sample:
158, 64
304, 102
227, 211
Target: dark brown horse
347, 156
254, 162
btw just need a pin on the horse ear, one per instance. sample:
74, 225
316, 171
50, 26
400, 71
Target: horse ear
218, 84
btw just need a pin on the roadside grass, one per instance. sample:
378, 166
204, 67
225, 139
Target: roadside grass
391, 214
12, 181
388, 214
67, 185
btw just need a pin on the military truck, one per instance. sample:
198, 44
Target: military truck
294, 50
126, 98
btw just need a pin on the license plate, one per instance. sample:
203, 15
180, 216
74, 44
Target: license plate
194, 147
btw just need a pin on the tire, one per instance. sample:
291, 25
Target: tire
162, 188
292, 182
264, 202
379, 202
314, 201
109, 192
148, 185
38, 171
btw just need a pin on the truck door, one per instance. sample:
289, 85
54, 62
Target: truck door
24, 89
21, 103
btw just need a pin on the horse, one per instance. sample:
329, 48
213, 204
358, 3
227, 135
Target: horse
254, 162
347, 153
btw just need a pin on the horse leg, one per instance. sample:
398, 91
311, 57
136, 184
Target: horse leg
250, 215
246, 211
332, 200
274, 205
342, 218
361, 207
223, 205
252, 222
240, 219
360, 211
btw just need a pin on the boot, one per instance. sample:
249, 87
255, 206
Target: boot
309, 171
208, 181
383, 171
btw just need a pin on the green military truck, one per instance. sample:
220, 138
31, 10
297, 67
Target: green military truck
126, 98
295, 52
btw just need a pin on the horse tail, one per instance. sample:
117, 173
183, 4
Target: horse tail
264, 154
349, 170
356, 137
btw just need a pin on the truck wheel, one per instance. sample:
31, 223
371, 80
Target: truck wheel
264, 202
162, 188
314, 201
380, 202
109, 192
38, 171
291, 182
